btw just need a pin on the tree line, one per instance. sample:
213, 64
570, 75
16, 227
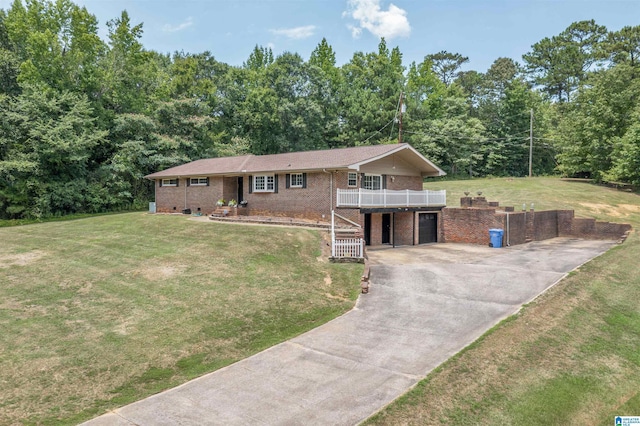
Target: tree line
82, 120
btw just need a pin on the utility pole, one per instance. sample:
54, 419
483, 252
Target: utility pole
531, 143
400, 120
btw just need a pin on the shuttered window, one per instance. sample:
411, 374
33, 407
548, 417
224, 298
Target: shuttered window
264, 183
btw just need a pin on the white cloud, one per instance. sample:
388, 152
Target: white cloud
370, 16
297, 32
168, 28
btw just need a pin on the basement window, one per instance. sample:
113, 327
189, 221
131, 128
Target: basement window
199, 181
169, 182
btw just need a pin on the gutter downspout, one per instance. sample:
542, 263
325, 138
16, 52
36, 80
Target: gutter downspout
185, 192
508, 239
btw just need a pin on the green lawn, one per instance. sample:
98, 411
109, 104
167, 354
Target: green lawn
99, 312
572, 357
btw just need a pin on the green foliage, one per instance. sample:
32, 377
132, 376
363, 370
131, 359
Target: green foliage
83, 121
589, 128
446, 65
559, 64
46, 142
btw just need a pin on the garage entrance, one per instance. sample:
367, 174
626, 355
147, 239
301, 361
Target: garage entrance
428, 228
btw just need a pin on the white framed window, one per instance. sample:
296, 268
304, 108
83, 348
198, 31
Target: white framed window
352, 179
297, 180
199, 181
169, 182
263, 183
372, 182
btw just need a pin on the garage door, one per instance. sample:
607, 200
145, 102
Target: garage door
428, 224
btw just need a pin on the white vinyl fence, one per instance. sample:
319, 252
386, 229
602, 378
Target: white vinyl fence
345, 247
351, 247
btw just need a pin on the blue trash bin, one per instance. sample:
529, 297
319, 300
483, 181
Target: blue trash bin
495, 235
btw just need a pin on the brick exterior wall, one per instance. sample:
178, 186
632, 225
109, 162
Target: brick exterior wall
404, 228
413, 183
190, 197
313, 202
376, 229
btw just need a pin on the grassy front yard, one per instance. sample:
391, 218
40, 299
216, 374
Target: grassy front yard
99, 312
572, 357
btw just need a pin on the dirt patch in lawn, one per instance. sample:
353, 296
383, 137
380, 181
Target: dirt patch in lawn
159, 272
621, 210
20, 259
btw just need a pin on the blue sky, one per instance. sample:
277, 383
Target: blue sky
483, 30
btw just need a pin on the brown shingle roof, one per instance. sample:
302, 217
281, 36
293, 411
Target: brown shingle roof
294, 161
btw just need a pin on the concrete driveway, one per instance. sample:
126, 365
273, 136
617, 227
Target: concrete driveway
426, 303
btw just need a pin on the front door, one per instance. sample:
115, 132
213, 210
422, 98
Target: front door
386, 228
240, 189
428, 224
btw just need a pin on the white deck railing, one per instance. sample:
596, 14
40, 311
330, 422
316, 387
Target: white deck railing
387, 198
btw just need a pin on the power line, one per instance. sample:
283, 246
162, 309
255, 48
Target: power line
378, 131
450, 135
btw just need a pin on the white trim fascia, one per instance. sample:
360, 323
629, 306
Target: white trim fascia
356, 166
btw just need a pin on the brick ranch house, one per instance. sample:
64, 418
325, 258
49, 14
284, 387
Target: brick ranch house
378, 187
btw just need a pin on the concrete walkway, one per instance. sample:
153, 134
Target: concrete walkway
426, 303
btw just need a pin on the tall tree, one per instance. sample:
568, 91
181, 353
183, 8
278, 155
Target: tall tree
46, 143
372, 84
601, 113
624, 46
9, 62
447, 65
261, 57
130, 75
326, 80
453, 140
560, 63
57, 43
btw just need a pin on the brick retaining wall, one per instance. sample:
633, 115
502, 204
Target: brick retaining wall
471, 223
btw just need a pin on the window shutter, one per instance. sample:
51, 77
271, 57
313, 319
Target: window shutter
160, 182
361, 180
304, 180
207, 181
384, 181
188, 181
287, 180
250, 184
177, 181
275, 183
